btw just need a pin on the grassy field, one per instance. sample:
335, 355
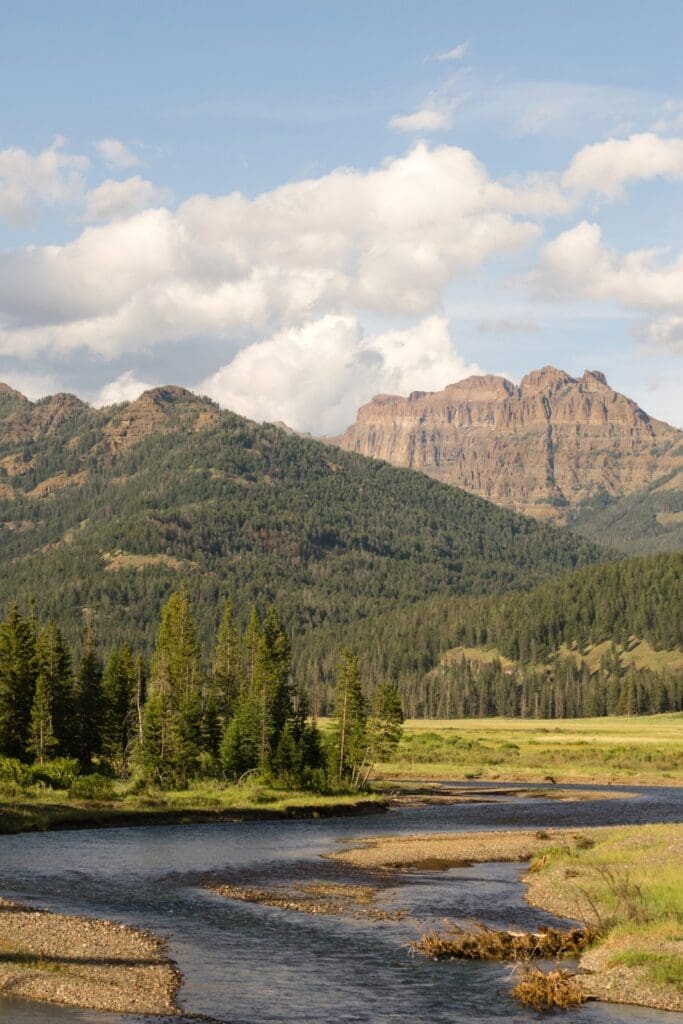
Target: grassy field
638, 750
637, 653
626, 882
40, 809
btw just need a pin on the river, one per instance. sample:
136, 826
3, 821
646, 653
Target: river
250, 964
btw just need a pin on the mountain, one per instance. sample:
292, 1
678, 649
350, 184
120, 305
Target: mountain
647, 521
111, 508
545, 447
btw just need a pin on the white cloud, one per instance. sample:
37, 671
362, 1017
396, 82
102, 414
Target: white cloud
50, 178
428, 119
665, 332
314, 377
457, 53
577, 263
32, 385
116, 154
113, 199
607, 166
388, 240
126, 388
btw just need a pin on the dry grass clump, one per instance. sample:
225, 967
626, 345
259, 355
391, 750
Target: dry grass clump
547, 991
480, 942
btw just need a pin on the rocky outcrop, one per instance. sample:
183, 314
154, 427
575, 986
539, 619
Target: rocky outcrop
157, 411
542, 447
95, 432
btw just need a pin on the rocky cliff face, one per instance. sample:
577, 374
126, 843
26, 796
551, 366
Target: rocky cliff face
542, 447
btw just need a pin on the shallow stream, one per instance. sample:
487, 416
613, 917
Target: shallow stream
252, 964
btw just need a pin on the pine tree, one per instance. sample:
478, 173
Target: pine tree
88, 702
350, 715
227, 664
17, 682
53, 661
41, 735
118, 717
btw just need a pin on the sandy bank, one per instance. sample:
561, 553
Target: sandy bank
82, 962
553, 891
441, 851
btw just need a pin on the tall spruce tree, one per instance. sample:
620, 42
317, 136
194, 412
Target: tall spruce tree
88, 701
350, 714
53, 662
17, 682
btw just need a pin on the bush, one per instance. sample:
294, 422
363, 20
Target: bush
60, 773
13, 772
92, 787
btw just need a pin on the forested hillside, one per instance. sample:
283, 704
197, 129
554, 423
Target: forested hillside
110, 509
650, 520
590, 643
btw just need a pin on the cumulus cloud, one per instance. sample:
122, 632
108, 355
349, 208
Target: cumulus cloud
115, 199
50, 178
126, 388
314, 377
606, 167
116, 154
577, 263
664, 332
388, 240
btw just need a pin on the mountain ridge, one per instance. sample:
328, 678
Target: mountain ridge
110, 509
544, 447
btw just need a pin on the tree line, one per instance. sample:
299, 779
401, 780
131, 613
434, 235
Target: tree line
565, 688
182, 715
618, 602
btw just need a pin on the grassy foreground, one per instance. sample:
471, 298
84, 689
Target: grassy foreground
639, 750
39, 809
626, 882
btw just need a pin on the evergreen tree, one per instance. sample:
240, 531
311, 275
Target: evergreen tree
41, 735
88, 702
119, 719
350, 716
17, 682
227, 664
53, 662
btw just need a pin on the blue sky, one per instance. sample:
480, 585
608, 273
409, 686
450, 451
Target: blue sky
291, 206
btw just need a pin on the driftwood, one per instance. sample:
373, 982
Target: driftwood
479, 942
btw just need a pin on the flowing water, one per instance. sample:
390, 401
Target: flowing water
251, 964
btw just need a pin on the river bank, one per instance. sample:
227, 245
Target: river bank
624, 882
47, 812
59, 811
82, 962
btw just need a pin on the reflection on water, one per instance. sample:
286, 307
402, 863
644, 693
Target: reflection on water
250, 963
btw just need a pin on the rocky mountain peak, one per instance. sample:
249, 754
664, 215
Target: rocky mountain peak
542, 447
548, 378
157, 411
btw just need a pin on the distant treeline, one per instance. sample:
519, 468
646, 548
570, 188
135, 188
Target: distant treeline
565, 688
613, 601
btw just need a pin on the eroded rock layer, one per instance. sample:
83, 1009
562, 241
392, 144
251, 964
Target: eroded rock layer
542, 447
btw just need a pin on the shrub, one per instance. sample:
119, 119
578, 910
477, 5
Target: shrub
60, 773
13, 772
92, 787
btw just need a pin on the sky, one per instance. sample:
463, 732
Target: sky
293, 206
